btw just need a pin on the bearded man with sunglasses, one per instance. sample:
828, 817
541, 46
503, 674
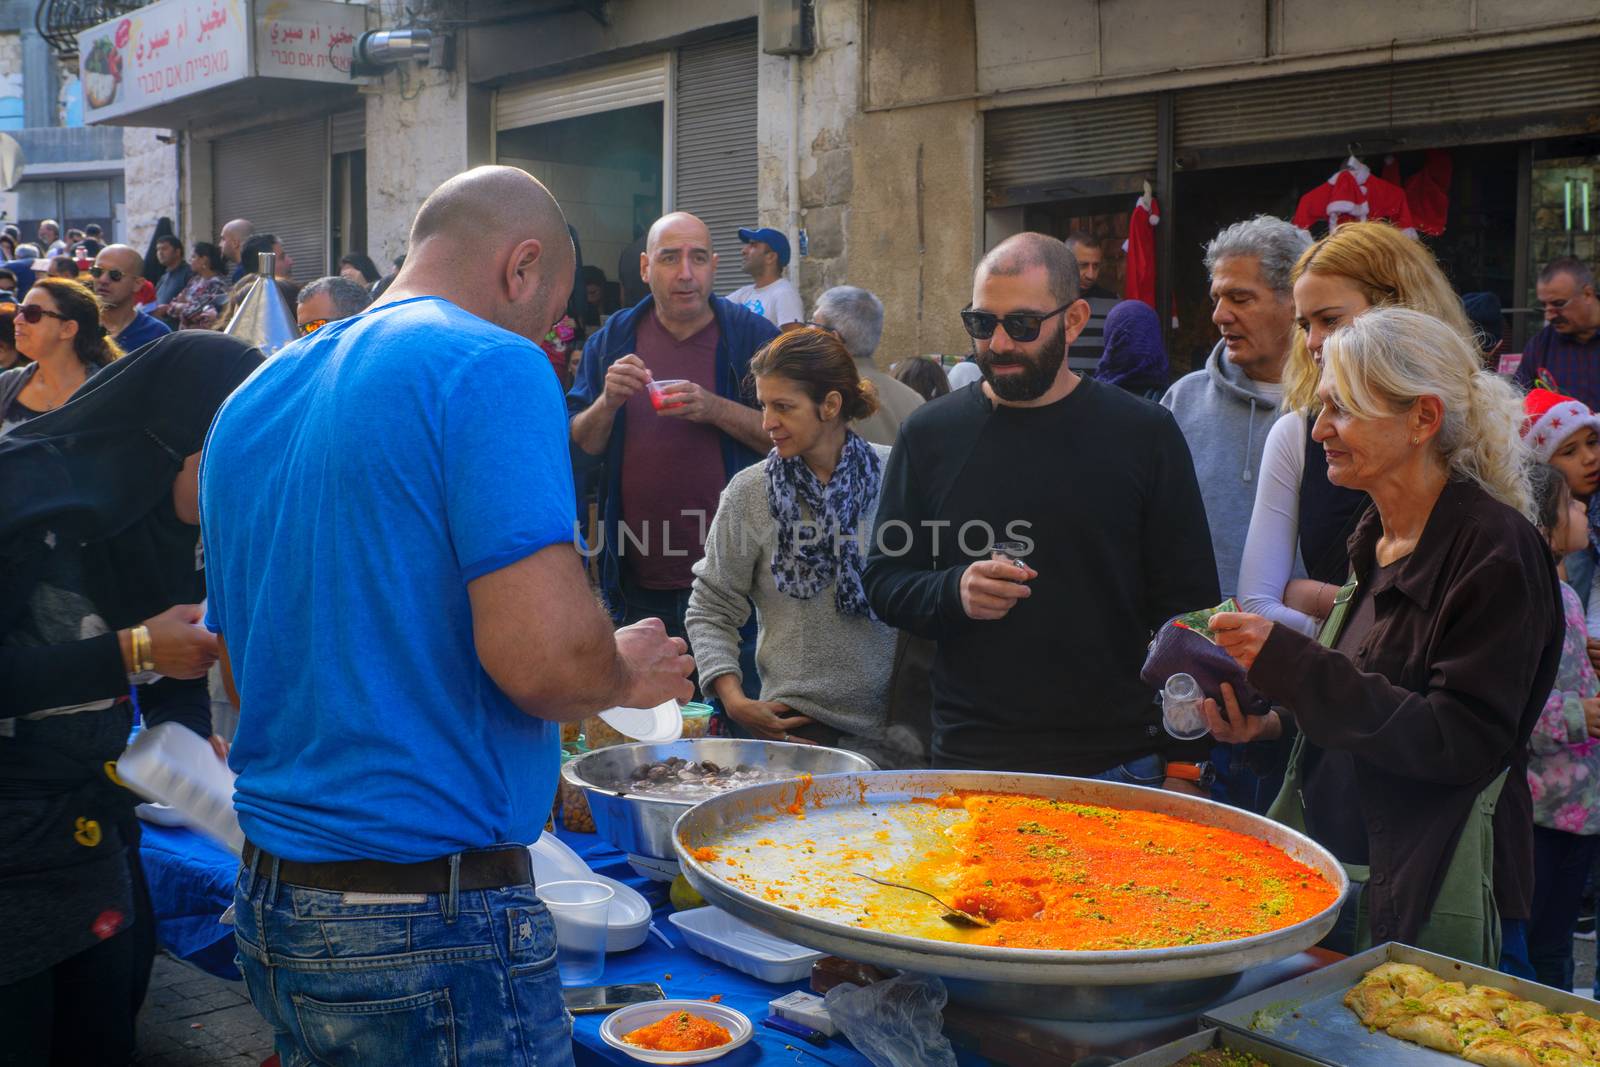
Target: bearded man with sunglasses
1038, 661
116, 275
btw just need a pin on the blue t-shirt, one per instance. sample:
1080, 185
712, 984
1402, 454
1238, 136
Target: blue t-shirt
141, 331
350, 489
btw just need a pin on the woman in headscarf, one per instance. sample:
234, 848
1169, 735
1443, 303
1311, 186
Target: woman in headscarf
1134, 357
101, 578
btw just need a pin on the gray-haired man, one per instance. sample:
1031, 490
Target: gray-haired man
328, 300
1226, 408
857, 317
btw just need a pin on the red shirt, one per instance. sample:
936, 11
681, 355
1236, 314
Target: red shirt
672, 469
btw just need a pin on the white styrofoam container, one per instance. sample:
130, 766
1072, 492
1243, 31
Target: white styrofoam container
716, 934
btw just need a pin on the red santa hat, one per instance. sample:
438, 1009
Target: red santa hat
1550, 419
1348, 202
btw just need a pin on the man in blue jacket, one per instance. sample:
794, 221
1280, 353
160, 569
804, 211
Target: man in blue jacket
660, 403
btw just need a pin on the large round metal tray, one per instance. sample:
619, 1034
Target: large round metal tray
1098, 985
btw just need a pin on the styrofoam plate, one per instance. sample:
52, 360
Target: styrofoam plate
664, 722
626, 1020
627, 923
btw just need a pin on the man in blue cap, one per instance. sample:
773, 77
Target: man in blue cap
766, 254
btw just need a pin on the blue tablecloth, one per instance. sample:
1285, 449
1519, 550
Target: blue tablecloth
191, 884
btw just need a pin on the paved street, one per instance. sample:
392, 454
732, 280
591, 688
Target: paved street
192, 1019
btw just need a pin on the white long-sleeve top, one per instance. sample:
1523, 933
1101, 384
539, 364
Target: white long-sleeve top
1271, 548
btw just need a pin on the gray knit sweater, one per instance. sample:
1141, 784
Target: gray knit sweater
833, 668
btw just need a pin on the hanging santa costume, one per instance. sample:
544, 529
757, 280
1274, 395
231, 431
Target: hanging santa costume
1354, 194
1140, 283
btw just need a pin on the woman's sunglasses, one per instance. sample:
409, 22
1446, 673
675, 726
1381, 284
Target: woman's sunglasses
30, 313
1021, 326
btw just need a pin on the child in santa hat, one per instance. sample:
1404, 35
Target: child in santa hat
1564, 749
1564, 433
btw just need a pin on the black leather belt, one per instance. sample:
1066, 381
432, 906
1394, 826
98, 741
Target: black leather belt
490, 868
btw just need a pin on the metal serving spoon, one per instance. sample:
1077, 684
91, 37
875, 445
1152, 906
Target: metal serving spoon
953, 916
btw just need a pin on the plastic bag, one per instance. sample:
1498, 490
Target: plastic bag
896, 1023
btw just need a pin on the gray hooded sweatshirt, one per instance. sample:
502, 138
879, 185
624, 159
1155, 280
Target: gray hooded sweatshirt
1225, 417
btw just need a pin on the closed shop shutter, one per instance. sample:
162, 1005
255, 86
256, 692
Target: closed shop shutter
639, 81
1060, 151
347, 131
1461, 100
277, 178
715, 136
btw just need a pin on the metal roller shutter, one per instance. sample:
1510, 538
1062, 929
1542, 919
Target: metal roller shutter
715, 136
1444, 101
278, 179
641, 81
347, 131
1033, 154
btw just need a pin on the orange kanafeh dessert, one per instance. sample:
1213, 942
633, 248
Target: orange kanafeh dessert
1053, 874
679, 1032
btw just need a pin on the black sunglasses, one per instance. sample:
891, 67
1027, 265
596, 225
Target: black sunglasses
31, 313
1020, 326
116, 275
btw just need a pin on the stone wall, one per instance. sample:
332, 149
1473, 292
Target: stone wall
422, 127
150, 185
910, 221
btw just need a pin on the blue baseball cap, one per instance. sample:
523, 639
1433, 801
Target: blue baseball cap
773, 239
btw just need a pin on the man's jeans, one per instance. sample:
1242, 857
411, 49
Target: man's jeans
1148, 771
426, 981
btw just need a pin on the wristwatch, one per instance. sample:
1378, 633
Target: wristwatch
1201, 774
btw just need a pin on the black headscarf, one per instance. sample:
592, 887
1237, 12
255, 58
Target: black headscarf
101, 467
152, 262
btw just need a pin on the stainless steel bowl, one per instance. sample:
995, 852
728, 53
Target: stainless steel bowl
1099, 985
642, 825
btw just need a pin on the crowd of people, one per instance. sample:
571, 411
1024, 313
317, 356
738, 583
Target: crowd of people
404, 597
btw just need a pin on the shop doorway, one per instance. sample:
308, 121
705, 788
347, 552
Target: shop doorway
605, 170
1477, 250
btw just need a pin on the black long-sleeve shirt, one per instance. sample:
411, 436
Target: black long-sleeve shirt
1103, 484
1437, 699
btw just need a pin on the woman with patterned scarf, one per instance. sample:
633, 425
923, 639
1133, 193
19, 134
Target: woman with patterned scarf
790, 536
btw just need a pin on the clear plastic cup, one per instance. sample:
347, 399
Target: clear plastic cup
1181, 713
1014, 552
658, 393
580, 911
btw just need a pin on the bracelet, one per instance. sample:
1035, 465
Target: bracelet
143, 659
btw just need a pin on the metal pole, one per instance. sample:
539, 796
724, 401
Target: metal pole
1166, 168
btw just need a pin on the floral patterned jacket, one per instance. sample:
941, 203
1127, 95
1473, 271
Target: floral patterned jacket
1563, 760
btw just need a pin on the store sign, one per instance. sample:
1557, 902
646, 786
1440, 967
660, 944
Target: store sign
162, 52
176, 48
308, 40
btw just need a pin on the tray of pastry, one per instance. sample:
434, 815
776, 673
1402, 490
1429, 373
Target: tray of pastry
1397, 1005
1219, 1048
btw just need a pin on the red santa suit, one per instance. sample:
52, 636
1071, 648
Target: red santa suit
1140, 282
1354, 194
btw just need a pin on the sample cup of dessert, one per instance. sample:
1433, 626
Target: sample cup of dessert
1014, 552
1181, 712
659, 395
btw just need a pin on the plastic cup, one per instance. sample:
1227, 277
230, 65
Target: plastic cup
658, 395
1181, 714
1014, 552
580, 910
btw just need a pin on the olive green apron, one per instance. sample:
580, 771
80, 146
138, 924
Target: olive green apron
1464, 923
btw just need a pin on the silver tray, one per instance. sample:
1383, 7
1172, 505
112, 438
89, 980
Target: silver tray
1308, 1016
1128, 984
1174, 1051
640, 824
